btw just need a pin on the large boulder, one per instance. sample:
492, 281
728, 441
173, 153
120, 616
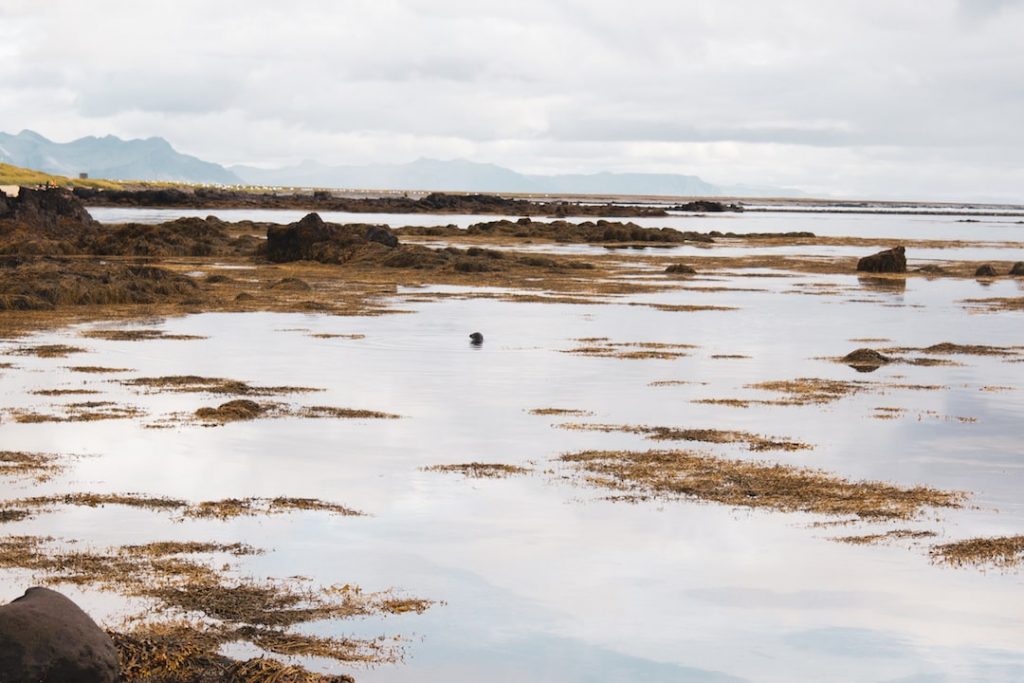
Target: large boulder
1018, 269
311, 239
52, 211
46, 638
889, 261
985, 270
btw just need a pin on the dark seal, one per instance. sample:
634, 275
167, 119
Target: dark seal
476, 339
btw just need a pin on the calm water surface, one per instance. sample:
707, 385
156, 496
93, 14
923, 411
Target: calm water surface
861, 225
543, 579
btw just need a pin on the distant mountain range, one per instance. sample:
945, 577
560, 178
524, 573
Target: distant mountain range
468, 176
154, 159
110, 157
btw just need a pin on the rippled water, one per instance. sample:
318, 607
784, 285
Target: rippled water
546, 580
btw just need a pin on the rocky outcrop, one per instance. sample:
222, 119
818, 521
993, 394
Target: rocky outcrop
54, 222
1018, 269
436, 202
889, 261
311, 239
54, 213
985, 270
30, 284
865, 360
587, 232
47, 638
707, 206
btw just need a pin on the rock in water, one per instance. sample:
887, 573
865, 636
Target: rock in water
985, 270
46, 638
1018, 269
476, 339
889, 261
311, 239
866, 360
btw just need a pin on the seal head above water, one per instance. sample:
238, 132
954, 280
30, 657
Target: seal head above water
476, 339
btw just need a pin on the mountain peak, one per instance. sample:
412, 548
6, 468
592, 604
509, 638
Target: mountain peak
27, 134
111, 157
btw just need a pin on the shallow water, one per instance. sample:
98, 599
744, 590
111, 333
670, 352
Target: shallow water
1002, 229
543, 579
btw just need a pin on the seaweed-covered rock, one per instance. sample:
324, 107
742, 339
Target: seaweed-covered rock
1018, 269
45, 284
707, 206
866, 360
311, 239
985, 270
47, 638
46, 209
889, 261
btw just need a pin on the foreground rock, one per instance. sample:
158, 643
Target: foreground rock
54, 222
47, 638
889, 261
51, 210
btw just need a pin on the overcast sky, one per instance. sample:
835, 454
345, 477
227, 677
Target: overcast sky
875, 98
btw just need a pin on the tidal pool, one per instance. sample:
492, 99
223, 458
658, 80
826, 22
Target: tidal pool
539, 576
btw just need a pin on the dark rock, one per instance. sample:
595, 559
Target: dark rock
680, 269
866, 360
985, 270
1018, 269
707, 206
476, 339
47, 638
932, 269
889, 261
381, 235
52, 211
437, 202
311, 239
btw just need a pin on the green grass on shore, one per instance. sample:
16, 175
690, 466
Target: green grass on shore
15, 175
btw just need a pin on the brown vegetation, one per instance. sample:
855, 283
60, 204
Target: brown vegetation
210, 385
741, 483
754, 442
1002, 552
479, 470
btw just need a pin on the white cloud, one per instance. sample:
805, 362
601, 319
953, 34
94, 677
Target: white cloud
849, 96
